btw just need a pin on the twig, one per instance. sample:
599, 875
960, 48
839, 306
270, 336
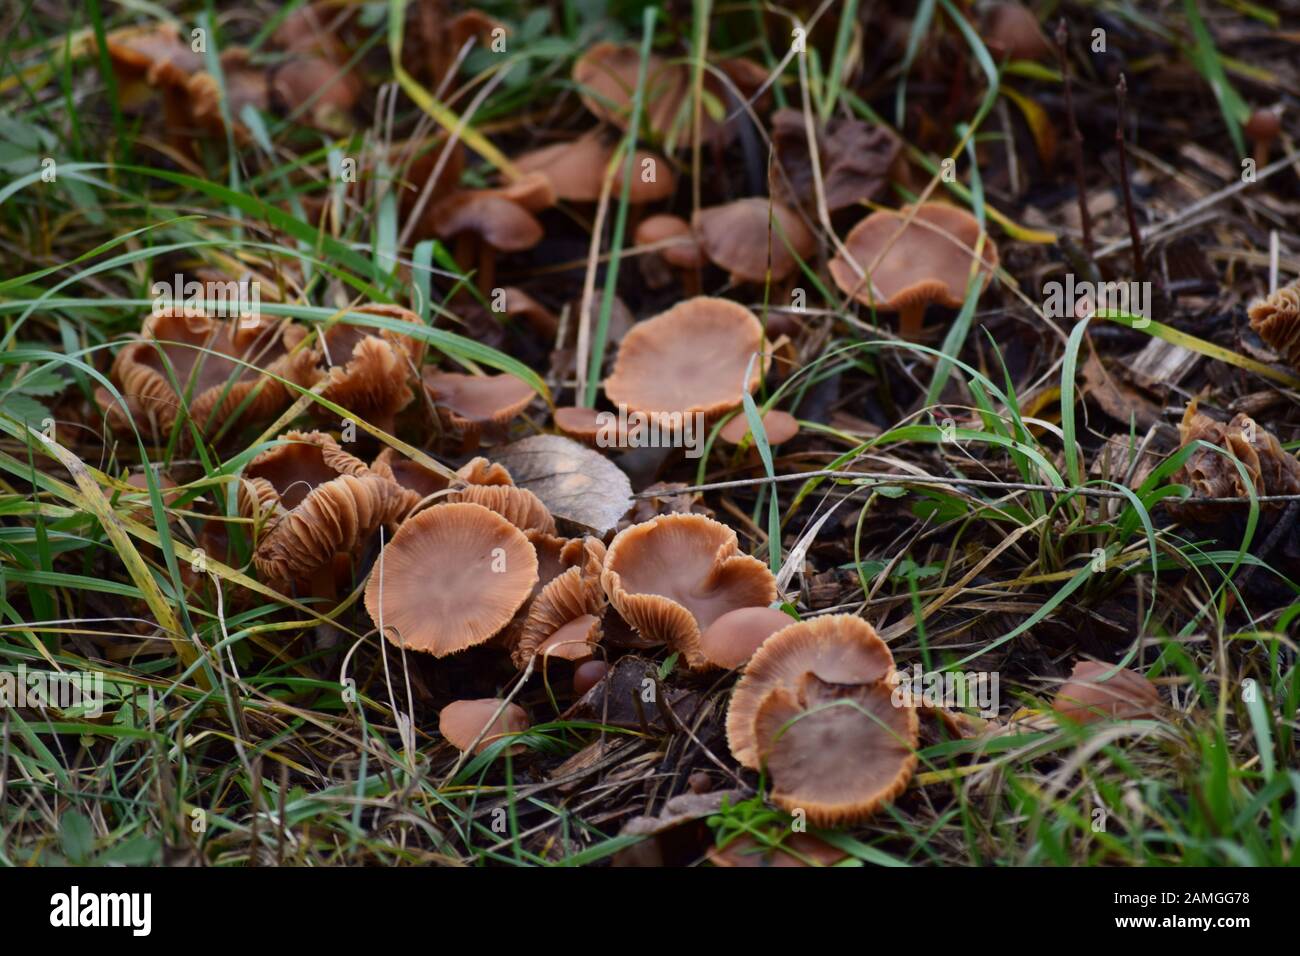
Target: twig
1076, 138
1121, 91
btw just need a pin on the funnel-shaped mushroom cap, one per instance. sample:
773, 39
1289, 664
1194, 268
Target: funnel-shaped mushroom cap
797, 849
734, 637
418, 482
689, 359
502, 224
779, 427
318, 89
837, 751
369, 368
673, 576
566, 614
1012, 30
1276, 319
838, 648
453, 576
463, 721
200, 352
519, 506
318, 501
474, 400
576, 171
928, 261
153, 52
1097, 691
680, 250
736, 238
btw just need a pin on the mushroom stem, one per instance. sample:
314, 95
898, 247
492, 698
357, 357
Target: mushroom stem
910, 318
467, 250
487, 268
322, 584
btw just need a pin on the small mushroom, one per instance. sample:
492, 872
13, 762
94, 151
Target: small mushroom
419, 482
1011, 31
587, 675
731, 640
317, 87
580, 424
752, 237
837, 649
576, 170
368, 369
778, 426
452, 577
912, 264
564, 619
464, 721
1276, 319
674, 248
672, 577
797, 849
692, 358
1262, 129
519, 506
469, 404
315, 501
1097, 691
217, 390
487, 221
245, 85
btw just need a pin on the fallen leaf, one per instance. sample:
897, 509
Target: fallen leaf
577, 484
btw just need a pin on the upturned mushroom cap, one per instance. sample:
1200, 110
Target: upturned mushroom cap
689, 359
735, 237
733, 638
368, 369
837, 648
419, 482
469, 402
680, 249
502, 224
317, 501
200, 351
928, 261
154, 53
453, 576
1097, 691
675, 575
519, 506
461, 722
779, 427
576, 171
1012, 30
565, 617
836, 751
1276, 319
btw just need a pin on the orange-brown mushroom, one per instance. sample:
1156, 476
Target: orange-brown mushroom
673, 247
564, 620
797, 849
576, 170
1276, 319
452, 577
245, 85
692, 358
368, 369
471, 403
463, 722
419, 482
1097, 691
672, 577
778, 426
317, 88
752, 237
199, 352
484, 222
733, 638
901, 266
313, 501
1011, 30
838, 649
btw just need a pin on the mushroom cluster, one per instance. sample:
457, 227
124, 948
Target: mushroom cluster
817, 708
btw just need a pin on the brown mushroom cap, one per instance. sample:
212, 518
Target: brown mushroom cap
581, 424
732, 639
837, 751
153, 52
674, 575
519, 506
453, 576
1012, 30
496, 219
462, 721
576, 171
1263, 125
797, 849
1097, 691
245, 85
1276, 319
689, 359
681, 250
779, 427
477, 399
923, 265
837, 648
200, 351
321, 88
318, 501
368, 368
419, 482
587, 675
736, 238
567, 611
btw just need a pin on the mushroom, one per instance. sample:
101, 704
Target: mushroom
368, 368
731, 640
1096, 691
836, 751
912, 264
245, 85
564, 619
1276, 319
487, 221
750, 237
576, 170
692, 358
778, 426
154, 57
672, 577
519, 506
587, 675
1011, 31
452, 577
471, 403
581, 424
200, 352
462, 722
1262, 129
419, 482
837, 649
796, 849
674, 248
318, 87
316, 501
